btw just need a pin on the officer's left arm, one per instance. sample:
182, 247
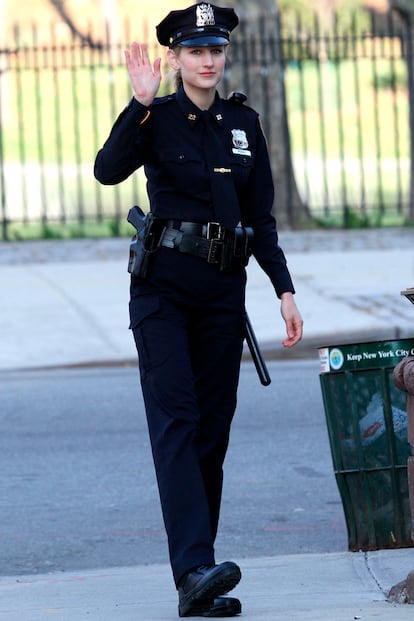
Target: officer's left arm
266, 249
258, 200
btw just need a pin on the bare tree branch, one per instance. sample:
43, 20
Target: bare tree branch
59, 6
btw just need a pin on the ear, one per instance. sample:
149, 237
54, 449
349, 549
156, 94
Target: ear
172, 59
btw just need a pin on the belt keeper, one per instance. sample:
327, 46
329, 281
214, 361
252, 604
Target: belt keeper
215, 246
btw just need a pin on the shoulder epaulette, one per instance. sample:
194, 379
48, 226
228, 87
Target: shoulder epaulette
236, 97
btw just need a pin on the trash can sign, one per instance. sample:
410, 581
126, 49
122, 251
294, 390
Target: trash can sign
364, 356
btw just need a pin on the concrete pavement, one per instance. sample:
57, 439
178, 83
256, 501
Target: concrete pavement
311, 587
66, 303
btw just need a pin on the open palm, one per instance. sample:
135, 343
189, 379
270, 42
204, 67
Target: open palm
145, 78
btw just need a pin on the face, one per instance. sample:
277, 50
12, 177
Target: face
200, 67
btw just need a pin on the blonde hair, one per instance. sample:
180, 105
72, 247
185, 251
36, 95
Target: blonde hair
177, 79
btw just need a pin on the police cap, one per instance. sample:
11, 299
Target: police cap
199, 25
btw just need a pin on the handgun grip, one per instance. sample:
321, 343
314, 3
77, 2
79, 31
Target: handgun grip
136, 217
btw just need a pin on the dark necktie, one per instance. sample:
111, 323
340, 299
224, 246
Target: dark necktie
225, 200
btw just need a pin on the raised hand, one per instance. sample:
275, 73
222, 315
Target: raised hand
145, 79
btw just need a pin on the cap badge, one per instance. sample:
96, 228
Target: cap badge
205, 15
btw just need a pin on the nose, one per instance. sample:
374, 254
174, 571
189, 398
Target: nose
208, 58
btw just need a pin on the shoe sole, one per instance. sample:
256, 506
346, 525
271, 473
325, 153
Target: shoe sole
231, 607
201, 598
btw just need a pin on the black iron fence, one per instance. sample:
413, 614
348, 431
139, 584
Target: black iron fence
348, 96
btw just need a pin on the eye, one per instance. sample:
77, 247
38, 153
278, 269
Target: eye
217, 51
195, 51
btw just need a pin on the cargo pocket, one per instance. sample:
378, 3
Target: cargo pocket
141, 309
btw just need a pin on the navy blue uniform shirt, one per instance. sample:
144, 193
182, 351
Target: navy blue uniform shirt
198, 163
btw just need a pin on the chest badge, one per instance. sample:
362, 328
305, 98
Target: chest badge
240, 142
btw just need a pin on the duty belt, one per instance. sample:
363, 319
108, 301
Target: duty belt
209, 242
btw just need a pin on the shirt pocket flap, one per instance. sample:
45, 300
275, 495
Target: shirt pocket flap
242, 160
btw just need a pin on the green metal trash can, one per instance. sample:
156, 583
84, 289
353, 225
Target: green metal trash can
367, 425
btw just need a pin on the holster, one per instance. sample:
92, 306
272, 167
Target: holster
145, 242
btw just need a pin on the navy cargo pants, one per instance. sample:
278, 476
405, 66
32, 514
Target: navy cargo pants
187, 319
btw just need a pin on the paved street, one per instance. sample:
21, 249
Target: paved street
79, 490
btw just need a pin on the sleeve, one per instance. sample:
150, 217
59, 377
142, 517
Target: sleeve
258, 209
123, 151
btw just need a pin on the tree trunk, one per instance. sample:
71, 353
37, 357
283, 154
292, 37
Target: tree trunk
259, 23
402, 5
3, 107
405, 8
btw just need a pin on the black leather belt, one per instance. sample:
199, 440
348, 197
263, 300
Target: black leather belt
200, 240
210, 230
208, 241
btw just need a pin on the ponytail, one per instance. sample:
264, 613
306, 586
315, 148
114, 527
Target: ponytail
178, 81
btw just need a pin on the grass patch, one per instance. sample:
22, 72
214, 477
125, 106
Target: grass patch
54, 230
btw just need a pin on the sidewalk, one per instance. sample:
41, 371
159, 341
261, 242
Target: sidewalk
66, 303
326, 587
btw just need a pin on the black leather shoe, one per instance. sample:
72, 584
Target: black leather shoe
224, 607
199, 587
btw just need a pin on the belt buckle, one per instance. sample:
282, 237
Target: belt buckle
214, 230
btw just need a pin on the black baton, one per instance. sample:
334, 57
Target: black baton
256, 354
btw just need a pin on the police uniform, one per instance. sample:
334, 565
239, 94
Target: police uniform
188, 313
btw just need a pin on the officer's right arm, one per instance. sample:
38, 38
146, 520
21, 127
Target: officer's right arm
124, 151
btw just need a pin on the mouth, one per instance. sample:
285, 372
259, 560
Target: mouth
207, 74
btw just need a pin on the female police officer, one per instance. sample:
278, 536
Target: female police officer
209, 183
